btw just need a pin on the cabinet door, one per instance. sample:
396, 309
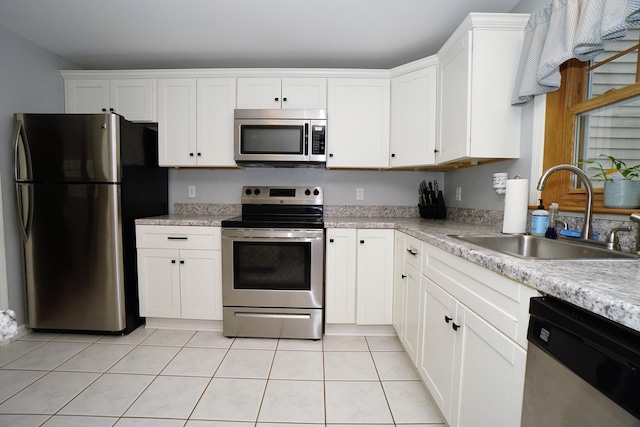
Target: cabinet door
399, 282
413, 118
177, 122
340, 280
201, 284
159, 282
455, 115
216, 99
259, 93
86, 96
359, 123
304, 94
412, 324
437, 348
134, 99
495, 123
489, 379
374, 287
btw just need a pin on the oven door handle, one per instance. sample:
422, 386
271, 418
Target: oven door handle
273, 315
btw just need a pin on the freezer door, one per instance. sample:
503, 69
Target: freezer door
67, 148
73, 257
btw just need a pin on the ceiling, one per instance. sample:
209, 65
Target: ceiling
143, 34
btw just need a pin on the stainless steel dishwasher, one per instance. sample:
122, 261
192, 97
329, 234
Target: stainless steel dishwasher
582, 369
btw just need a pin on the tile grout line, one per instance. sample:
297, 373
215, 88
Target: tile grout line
233, 340
375, 366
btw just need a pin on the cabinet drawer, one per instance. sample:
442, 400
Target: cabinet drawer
413, 252
177, 237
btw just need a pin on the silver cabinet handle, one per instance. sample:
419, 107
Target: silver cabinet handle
412, 252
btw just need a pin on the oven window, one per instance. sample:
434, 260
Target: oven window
272, 139
272, 265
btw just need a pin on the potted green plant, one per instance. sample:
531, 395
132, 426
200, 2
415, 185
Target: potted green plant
621, 186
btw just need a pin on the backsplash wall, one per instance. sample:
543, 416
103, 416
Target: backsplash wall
223, 186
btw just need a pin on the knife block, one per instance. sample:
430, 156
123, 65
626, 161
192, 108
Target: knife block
434, 210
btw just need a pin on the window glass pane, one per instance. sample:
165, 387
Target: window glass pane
618, 73
612, 130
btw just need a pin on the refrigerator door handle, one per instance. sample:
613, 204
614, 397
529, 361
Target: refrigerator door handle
22, 162
22, 154
25, 213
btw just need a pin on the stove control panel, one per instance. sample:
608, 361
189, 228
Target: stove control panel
282, 195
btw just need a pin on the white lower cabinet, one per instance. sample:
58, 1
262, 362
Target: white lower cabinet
406, 304
435, 362
359, 276
340, 275
488, 380
398, 283
179, 272
465, 329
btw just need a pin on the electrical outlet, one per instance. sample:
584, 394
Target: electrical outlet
359, 193
459, 194
192, 191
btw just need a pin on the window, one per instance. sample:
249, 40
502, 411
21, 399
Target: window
596, 111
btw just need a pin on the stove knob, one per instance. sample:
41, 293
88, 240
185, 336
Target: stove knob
316, 192
307, 192
247, 191
256, 191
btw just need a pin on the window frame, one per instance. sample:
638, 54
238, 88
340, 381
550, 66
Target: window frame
561, 110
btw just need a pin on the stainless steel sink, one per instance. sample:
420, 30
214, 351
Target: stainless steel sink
533, 247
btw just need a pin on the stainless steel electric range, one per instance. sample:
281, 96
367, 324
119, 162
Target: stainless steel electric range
273, 264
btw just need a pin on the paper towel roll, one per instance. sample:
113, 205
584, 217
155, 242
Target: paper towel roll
515, 206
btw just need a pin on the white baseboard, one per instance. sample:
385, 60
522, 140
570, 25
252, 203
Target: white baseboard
216, 325
359, 330
184, 324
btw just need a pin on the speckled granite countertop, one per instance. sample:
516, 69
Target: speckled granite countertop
608, 288
184, 219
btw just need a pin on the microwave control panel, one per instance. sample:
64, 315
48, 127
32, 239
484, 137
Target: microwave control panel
317, 139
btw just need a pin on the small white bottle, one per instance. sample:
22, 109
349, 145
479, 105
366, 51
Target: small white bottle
539, 220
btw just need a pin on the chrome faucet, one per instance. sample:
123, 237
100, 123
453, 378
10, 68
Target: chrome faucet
587, 227
635, 217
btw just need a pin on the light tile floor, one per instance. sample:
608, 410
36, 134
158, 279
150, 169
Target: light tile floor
167, 378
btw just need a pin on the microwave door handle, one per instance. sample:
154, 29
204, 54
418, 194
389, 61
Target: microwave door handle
306, 139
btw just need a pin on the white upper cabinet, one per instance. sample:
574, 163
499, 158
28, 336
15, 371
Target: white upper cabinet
195, 122
177, 143
132, 98
358, 114
478, 67
216, 99
414, 118
288, 93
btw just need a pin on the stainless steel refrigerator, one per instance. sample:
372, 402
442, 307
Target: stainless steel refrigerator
81, 180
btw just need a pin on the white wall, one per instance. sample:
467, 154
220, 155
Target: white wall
29, 82
224, 186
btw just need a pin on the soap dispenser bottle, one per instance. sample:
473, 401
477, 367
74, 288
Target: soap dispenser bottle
539, 220
551, 232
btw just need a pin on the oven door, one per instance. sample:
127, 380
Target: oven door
276, 268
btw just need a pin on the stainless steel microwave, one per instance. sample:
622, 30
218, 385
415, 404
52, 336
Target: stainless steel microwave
280, 137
